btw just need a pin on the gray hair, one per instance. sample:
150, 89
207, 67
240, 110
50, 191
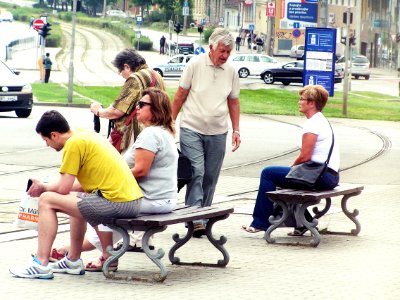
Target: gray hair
221, 35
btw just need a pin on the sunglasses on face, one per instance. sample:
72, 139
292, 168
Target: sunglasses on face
140, 104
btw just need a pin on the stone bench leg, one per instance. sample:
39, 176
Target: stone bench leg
276, 222
351, 215
155, 256
179, 242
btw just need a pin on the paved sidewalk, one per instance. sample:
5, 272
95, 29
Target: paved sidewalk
341, 267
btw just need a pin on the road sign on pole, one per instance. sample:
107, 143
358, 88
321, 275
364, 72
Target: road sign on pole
271, 9
296, 33
38, 24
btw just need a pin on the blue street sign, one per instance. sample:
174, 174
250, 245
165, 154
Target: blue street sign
199, 50
296, 24
319, 57
296, 33
251, 27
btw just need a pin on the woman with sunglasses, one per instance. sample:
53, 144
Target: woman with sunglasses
153, 160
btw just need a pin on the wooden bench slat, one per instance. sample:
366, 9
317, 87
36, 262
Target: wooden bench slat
181, 214
301, 195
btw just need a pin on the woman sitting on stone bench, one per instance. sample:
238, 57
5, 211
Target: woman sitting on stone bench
153, 159
315, 145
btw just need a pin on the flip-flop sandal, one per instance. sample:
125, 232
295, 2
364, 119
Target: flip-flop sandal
55, 255
298, 231
250, 229
98, 265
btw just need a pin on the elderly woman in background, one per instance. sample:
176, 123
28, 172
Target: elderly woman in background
316, 142
138, 76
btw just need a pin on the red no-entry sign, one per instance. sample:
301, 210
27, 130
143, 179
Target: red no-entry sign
38, 24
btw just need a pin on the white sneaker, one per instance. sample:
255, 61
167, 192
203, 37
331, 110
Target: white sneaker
66, 266
34, 270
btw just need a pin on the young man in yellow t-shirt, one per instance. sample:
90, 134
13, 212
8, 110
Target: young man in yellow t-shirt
95, 182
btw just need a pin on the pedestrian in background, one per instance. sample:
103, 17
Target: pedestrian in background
162, 45
238, 40
32, 19
208, 92
47, 67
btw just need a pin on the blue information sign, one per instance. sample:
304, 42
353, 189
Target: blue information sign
319, 57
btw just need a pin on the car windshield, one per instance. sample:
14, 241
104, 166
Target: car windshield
360, 60
4, 70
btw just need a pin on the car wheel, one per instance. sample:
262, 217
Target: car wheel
285, 82
268, 78
367, 77
23, 113
159, 72
243, 73
356, 77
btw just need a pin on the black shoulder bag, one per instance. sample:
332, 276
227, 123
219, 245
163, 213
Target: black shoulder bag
304, 176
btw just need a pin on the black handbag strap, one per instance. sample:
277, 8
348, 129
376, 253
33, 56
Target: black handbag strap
333, 142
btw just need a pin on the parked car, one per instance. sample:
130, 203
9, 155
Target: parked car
297, 51
175, 66
252, 64
291, 72
360, 66
116, 13
15, 94
6, 16
184, 47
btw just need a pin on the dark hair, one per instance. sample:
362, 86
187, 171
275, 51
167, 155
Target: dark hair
130, 57
316, 93
52, 121
160, 108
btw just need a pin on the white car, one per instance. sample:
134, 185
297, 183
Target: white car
252, 64
116, 13
297, 51
6, 16
175, 66
15, 93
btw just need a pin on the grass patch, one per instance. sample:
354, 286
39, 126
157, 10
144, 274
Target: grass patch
360, 105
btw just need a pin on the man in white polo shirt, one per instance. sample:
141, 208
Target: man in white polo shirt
208, 92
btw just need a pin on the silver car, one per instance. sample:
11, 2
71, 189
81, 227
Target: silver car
174, 67
360, 66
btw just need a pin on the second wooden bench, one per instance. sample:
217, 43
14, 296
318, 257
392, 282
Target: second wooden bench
287, 197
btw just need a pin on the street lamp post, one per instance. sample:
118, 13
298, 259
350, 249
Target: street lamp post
71, 60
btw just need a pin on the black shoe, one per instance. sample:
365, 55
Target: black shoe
199, 230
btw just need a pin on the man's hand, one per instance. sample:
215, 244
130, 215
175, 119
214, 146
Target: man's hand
235, 140
36, 189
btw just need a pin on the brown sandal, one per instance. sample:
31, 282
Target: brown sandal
97, 266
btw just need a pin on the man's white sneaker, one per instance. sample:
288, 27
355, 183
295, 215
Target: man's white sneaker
34, 270
66, 266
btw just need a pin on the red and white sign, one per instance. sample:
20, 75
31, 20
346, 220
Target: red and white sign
38, 24
271, 9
